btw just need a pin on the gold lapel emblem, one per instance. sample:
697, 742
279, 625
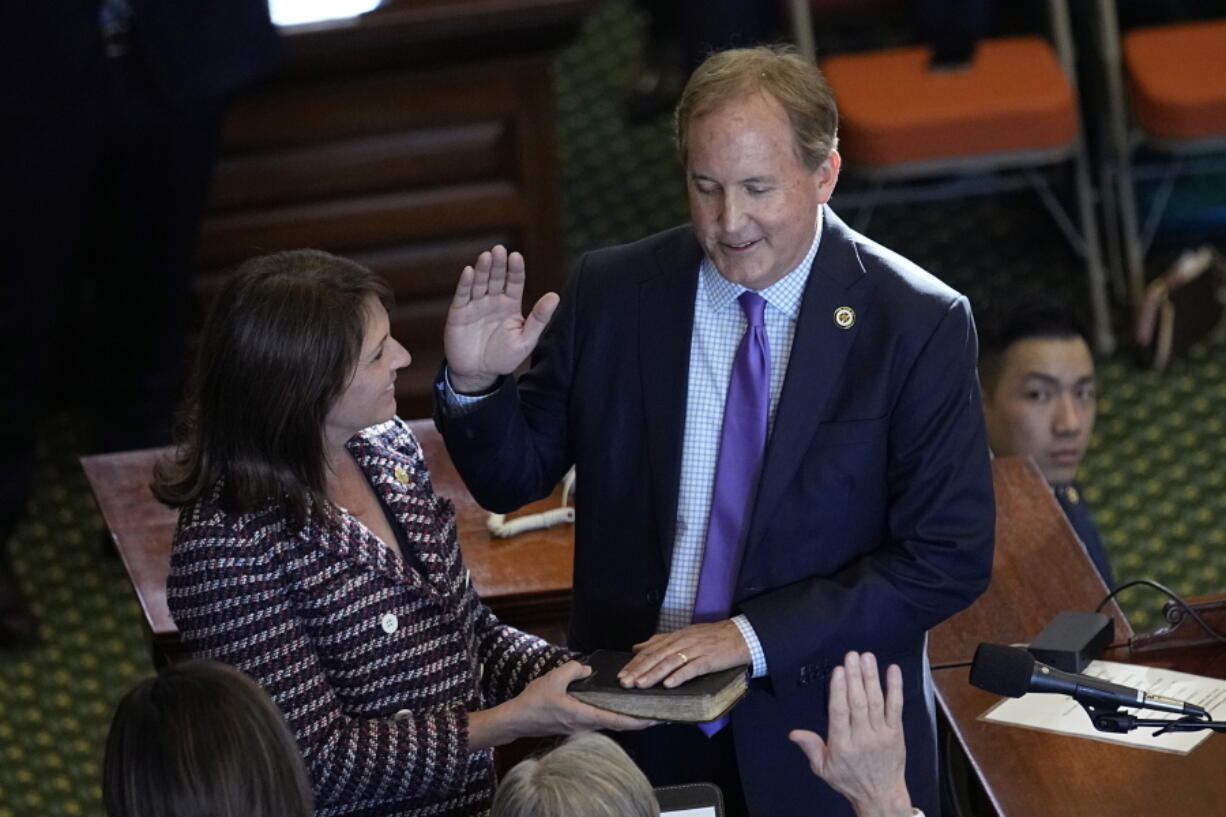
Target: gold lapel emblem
844, 317
402, 476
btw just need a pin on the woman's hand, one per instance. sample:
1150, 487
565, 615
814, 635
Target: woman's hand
486, 335
544, 708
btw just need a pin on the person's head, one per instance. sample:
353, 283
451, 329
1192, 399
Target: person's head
1037, 377
586, 776
757, 134
295, 356
202, 739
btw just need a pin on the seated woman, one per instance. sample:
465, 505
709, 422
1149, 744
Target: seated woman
313, 553
202, 738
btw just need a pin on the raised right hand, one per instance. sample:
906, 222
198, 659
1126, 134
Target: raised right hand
864, 755
545, 708
486, 335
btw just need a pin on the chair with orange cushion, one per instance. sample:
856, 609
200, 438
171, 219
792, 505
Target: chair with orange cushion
990, 124
1166, 89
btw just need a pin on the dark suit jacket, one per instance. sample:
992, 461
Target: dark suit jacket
874, 515
192, 50
1072, 502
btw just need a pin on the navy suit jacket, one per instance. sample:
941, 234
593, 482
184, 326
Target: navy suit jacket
193, 51
1072, 502
874, 514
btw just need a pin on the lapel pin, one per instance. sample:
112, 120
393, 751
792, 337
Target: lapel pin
402, 476
844, 317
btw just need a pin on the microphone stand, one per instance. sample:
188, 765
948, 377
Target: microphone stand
1110, 719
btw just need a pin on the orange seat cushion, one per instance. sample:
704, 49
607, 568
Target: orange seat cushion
1177, 77
893, 109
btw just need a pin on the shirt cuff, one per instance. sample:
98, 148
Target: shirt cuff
454, 403
758, 668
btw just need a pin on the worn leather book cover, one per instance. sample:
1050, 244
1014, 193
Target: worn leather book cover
698, 700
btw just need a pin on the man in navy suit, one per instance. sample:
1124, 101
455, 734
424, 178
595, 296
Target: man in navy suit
1040, 399
871, 515
110, 112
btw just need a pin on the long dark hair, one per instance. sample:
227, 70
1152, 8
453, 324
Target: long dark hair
202, 739
279, 346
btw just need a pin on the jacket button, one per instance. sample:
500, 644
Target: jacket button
389, 623
402, 715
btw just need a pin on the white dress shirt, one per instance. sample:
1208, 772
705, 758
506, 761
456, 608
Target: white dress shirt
719, 324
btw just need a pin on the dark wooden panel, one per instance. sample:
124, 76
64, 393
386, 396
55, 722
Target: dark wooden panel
536, 173
346, 224
283, 115
415, 385
361, 165
419, 322
428, 268
410, 139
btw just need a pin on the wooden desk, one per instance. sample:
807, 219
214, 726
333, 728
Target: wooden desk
1040, 569
526, 580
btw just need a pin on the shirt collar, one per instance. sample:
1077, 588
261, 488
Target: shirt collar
784, 295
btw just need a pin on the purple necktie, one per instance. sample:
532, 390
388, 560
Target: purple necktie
742, 443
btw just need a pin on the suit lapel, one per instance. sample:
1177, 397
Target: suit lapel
666, 308
819, 349
407, 500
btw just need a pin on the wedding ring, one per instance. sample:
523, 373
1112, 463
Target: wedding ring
684, 658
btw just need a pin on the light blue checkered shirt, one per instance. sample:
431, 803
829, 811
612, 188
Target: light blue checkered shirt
719, 324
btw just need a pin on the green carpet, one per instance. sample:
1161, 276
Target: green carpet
1154, 477
56, 700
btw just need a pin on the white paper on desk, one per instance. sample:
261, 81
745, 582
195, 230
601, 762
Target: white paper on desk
1060, 713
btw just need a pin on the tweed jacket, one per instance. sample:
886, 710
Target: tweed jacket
374, 660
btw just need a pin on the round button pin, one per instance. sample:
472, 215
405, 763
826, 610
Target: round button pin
389, 623
844, 317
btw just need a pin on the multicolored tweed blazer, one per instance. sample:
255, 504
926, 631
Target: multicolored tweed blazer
375, 661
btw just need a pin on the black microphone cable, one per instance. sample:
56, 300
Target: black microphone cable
1175, 597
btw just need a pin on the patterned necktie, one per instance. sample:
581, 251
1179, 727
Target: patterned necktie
742, 444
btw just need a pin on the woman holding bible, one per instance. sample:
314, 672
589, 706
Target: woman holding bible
313, 554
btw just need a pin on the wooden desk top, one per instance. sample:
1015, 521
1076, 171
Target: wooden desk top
525, 576
1040, 569
1028, 773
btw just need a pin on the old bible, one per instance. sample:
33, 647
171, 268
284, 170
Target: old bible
700, 699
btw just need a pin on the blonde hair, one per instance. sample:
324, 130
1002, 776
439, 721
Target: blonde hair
795, 83
586, 776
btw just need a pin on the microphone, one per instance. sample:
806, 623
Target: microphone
1012, 671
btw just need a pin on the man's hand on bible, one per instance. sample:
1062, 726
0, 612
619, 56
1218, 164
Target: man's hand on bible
676, 657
